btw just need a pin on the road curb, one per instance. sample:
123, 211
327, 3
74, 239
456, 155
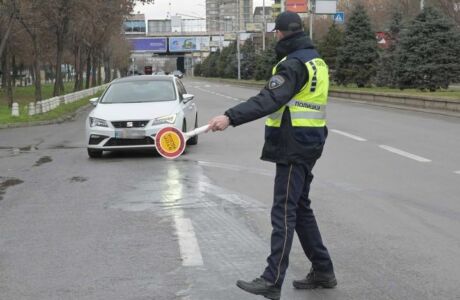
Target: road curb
62, 119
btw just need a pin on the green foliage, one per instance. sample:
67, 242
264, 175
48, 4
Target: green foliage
386, 74
253, 65
265, 62
429, 55
61, 111
227, 65
209, 65
356, 59
328, 47
248, 61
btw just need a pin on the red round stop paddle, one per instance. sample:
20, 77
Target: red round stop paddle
170, 142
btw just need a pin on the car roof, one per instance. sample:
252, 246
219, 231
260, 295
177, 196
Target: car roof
144, 78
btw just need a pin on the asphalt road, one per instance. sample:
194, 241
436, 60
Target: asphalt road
135, 226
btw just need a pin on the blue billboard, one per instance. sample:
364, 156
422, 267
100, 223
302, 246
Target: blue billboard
157, 45
183, 44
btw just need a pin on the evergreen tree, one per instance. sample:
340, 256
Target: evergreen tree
386, 74
357, 58
329, 46
227, 66
265, 61
248, 62
209, 65
429, 54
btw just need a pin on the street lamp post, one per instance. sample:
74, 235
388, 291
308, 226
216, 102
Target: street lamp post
238, 53
312, 15
265, 26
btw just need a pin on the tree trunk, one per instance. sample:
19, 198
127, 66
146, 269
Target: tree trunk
60, 50
7, 74
76, 56
88, 69
38, 76
14, 69
99, 72
3, 70
107, 70
81, 61
94, 72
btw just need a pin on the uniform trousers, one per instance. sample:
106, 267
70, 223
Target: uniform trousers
291, 212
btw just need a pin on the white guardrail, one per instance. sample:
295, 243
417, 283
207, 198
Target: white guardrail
45, 106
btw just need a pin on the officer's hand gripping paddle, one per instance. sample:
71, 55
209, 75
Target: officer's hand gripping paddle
170, 141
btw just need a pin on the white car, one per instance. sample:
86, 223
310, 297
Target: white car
132, 110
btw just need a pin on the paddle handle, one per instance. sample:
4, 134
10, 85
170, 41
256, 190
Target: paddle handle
196, 131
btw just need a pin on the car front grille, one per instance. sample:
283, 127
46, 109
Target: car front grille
113, 142
135, 124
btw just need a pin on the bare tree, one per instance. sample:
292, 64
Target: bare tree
32, 20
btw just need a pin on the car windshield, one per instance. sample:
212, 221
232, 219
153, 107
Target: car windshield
140, 91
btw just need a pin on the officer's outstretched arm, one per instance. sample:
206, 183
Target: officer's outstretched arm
291, 76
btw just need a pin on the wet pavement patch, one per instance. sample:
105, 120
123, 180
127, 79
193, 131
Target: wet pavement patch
6, 183
43, 160
78, 179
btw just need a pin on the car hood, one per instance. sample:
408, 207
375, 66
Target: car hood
134, 111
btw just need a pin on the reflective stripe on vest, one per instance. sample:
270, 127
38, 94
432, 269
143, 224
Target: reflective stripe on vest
308, 106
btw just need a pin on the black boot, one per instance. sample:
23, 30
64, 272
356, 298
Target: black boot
260, 286
315, 280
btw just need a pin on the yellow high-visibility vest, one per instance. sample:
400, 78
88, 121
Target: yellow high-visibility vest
308, 106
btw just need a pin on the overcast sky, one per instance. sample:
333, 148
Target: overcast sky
197, 8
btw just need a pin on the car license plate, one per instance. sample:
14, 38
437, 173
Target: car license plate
130, 134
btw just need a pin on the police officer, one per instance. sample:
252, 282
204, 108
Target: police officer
294, 100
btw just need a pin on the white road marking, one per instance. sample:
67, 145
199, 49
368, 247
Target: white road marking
457, 172
188, 244
405, 154
351, 136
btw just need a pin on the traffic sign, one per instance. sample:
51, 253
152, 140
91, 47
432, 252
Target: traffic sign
339, 17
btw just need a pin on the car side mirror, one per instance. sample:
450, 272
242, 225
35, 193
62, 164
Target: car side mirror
187, 97
93, 101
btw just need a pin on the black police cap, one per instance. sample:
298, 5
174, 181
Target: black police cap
288, 21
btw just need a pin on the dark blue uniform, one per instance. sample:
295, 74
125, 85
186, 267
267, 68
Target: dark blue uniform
294, 162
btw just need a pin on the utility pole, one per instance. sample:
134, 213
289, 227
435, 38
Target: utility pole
312, 15
283, 5
422, 4
265, 26
238, 39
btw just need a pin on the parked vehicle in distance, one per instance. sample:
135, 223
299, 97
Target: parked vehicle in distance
132, 110
178, 74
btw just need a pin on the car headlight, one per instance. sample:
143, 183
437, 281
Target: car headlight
170, 119
95, 122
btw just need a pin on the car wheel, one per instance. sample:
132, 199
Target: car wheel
194, 139
93, 153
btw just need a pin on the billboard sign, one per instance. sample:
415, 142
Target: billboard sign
326, 7
297, 6
156, 45
183, 44
254, 27
189, 44
230, 36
